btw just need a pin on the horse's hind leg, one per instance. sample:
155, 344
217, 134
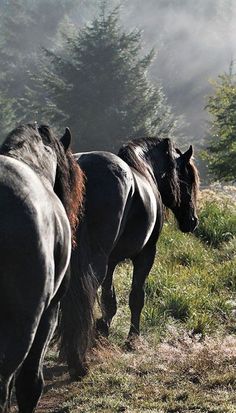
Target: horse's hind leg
142, 265
15, 342
4, 395
29, 381
108, 302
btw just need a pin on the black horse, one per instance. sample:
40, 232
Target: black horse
40, 185
123, 218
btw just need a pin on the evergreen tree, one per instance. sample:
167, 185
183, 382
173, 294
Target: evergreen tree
221, 152
98, 84
26, 25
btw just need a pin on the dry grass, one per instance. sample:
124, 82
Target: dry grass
182, 374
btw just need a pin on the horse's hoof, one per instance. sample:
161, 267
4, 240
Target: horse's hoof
77, 374
131, 343
128, 346
102, 328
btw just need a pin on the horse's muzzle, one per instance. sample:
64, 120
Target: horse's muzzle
189, 225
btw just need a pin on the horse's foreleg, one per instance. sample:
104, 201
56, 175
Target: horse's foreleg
29, 381
142, 265
108, 302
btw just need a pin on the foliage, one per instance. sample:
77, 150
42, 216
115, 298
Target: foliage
98, 84
25, 27
221, 152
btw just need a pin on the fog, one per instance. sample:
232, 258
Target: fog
194, 43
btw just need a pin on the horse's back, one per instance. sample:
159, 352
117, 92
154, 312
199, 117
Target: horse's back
109, 188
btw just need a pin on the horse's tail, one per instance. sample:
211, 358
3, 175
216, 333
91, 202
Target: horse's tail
76, 319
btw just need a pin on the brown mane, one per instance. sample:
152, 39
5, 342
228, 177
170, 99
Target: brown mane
69, 184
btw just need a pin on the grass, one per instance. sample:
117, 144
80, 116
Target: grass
217, 223
185, 360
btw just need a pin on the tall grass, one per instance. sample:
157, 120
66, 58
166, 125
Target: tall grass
217, 223
193, 280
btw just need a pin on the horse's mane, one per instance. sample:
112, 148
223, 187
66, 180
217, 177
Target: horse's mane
24, 142
69, 184
133, 153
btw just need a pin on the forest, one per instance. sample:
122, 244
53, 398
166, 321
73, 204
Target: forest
115, 70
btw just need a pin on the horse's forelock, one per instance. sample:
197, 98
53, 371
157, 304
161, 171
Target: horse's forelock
195, 181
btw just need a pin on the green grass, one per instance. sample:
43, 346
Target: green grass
185, 360
217, 223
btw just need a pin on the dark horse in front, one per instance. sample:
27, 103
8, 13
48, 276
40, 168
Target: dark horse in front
40, 188
124, 213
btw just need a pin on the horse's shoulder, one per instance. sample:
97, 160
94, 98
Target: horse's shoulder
145, 189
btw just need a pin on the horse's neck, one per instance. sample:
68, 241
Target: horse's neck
40, 161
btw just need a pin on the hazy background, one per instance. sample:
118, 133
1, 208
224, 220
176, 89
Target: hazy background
195, 41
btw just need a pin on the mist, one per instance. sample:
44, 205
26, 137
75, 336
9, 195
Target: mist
194, 43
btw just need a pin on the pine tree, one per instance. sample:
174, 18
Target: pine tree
26, 26
98, 84
221, 151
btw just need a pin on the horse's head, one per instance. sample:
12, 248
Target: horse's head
178, 182
185, 209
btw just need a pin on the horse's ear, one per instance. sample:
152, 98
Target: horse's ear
66, 139
188, 154
178, 151
167, 145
